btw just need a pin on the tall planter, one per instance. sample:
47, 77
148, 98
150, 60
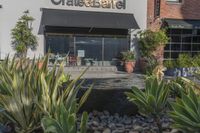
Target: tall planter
129, 66
158, 53
129, 61
148, 64
143, 64
40, 64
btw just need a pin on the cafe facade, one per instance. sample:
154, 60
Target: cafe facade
90, 32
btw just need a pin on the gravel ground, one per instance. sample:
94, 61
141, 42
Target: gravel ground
103, 122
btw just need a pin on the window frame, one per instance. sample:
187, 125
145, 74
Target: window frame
174, 1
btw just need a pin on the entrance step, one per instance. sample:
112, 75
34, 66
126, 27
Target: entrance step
92, 69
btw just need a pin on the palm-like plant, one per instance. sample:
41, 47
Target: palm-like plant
186, 112
152, 101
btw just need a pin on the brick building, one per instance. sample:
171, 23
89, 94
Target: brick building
181, 18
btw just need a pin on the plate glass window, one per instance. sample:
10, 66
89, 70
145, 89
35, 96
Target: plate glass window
88, 50
182, 41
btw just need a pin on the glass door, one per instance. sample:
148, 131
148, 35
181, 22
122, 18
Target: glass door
89, 50
113, 46
60, 44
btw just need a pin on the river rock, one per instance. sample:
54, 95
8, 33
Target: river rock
107, 130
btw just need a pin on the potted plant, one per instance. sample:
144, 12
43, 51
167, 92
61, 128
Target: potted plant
151, 43
195, 65
170, 65
129, 61
184, 63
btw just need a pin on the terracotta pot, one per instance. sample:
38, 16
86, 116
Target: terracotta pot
129, 66
143, 64
40, 64
158, 54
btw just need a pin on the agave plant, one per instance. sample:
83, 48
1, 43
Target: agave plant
152, 101
18, 92
52, 93
29, 91
183, 85
186, 112
65, 121
60, 106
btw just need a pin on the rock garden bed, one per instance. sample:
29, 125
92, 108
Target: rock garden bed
104, 122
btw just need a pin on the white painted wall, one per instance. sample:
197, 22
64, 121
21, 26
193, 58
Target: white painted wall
13, 9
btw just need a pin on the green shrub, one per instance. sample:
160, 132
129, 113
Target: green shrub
22, 36
150, 40
184, 60
186, 113
152, 102
196, 60
128, 56
170, 64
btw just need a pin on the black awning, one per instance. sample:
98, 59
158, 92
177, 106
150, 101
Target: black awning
86, 19
182, 24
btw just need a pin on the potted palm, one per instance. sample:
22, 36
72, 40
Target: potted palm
129, 61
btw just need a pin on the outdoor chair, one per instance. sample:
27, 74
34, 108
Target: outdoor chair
72, 60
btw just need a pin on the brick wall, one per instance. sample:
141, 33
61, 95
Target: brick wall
188, 9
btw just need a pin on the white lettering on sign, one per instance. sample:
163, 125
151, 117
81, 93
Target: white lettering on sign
110, 4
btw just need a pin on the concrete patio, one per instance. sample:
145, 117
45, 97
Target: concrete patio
108, 77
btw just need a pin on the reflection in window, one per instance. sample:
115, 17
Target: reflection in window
92, 47
113, 47
57, 44
89, 50
175, 47
182, 40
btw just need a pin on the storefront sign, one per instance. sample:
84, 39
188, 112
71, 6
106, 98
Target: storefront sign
110, 4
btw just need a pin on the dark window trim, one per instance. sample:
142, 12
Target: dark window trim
157, 8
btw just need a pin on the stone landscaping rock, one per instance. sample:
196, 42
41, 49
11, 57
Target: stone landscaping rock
107, 130
174, 131
111, 126
165, 125
133, 132
95, 123
137, 128
104, 122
